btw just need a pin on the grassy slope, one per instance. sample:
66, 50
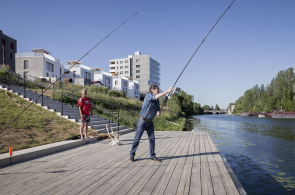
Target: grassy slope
36, 126
130, 119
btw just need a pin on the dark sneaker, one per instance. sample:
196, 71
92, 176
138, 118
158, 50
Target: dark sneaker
155, 159
131, 158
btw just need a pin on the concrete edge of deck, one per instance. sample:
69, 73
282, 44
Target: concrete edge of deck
230, 171
38, 151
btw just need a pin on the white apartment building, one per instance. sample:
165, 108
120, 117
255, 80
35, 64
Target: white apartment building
134, 89
38, 63
101, 77
143, 68
121, 83
79, 71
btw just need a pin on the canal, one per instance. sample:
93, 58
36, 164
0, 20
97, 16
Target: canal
260, 151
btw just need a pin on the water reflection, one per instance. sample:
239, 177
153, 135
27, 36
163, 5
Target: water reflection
260, 151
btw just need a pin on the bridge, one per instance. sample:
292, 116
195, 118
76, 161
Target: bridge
215, 111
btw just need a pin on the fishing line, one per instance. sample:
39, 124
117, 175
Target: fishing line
66, 72
199, 48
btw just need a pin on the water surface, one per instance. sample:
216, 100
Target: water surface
260, 151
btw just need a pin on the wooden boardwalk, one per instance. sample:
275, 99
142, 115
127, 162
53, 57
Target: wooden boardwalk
191, 165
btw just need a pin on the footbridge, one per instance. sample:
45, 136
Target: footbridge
215, 111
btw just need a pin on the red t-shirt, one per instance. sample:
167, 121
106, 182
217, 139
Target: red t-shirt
85, 104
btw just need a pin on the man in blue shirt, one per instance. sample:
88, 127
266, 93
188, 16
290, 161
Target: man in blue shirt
150, 108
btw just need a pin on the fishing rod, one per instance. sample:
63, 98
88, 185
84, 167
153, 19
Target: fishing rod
197, 50
66, 72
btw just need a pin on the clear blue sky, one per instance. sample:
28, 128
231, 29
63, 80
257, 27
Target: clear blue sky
251, 43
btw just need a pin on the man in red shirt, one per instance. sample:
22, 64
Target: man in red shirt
84, 108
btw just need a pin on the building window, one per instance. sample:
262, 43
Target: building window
117, 62
74, 73
47, 74
87, 75
117, 67
116, 82
136, 87
52, 75
3, 42
137, 66
26, 64
138, 77
60, 71
126, 66
121, 62
11, 56
107, 80
121, 67
26, 74
126, 61
49, 67
12, 46
138, 71
138, 60
126, 72
121, 72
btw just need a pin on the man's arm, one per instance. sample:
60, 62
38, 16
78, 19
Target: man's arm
163, 93
81, 116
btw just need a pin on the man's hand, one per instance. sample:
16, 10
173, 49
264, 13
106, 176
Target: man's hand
91, 114
158, 113
170, 89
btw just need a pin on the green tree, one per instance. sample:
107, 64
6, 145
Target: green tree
217, 107
206, 107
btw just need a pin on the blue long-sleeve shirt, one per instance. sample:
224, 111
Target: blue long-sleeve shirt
150, 107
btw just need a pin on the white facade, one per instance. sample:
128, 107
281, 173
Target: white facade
105, 78
143, 68
38, 64
121, 83
134, 89
80, 71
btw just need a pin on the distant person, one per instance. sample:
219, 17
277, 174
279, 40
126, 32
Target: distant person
84, 108
150, 108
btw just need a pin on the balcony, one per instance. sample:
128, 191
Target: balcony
112, 65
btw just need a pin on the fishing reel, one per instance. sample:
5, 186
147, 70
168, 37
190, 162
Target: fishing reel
176, 90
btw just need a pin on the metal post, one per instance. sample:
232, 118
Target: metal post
42, 96
62, 105
118, 121
24, 86
72, 99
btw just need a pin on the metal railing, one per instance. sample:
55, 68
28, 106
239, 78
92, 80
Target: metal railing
33, 84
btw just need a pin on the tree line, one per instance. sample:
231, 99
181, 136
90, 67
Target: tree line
182, 103
277, 94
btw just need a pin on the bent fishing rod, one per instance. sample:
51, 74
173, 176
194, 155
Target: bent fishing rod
198, 49
67, 71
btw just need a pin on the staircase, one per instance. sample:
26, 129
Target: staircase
96, 123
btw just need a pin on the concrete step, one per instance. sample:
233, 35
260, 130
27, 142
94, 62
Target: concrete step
101, 126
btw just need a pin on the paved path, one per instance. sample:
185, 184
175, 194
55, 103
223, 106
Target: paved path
191, 165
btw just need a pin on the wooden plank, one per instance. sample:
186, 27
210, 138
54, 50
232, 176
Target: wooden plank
128, 179
121, 168
217, 183
207, 186
150, 185
164, 181
183, 187
196, 184
226, 178
178, 170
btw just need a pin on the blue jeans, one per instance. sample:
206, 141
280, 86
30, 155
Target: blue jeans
141, 126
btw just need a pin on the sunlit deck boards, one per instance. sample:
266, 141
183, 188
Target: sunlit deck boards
191, 165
